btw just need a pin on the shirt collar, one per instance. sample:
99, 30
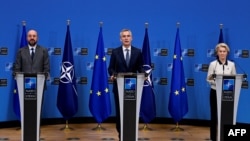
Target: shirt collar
34, 47
124, 48
221, 62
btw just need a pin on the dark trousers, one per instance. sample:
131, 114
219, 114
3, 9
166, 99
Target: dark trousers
213, 111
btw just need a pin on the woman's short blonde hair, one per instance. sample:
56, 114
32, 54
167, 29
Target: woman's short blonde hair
223, 45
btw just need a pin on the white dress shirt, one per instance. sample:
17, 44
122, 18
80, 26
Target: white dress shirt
124, 51
216, 67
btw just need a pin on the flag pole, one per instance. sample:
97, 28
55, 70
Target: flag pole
221, 26
15, 90
178, 24
177, 127
99, 126
24, 23
146, 25
66, 127
145, 126
68, 22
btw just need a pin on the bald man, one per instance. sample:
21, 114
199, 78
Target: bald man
32, 58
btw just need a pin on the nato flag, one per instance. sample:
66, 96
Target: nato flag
99, 100
221, 39
67, 94
148, 109
178, 105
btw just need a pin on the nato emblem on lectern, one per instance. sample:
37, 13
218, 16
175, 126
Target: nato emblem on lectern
130, 88
30, 88
228, 89
30, 83
228, 84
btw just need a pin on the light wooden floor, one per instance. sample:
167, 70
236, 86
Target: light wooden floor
85, 132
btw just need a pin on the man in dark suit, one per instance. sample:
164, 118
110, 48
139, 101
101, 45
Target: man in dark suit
32, 58
125, 58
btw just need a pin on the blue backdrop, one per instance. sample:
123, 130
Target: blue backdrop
199, 32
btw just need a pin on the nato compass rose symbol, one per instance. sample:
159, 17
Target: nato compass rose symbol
130, 84
228, 85
67, 72
148, 70
30, 83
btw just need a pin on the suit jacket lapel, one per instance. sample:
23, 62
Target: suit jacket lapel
132, 56
36, 52
122, 56
27, 52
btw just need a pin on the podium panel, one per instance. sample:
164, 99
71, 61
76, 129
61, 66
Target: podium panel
228, 92
130, 87
30, 88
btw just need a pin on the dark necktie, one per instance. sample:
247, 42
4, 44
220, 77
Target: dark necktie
32, 53
127, 57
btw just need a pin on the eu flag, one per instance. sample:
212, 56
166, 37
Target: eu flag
221, 40
148, 109
99, 100
67, 94
178, 105
16, 103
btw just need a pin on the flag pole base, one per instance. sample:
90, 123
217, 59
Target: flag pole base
66, 127
98, 128
18, 128
177, 128
146, 128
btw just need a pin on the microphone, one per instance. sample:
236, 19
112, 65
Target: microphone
244, 73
